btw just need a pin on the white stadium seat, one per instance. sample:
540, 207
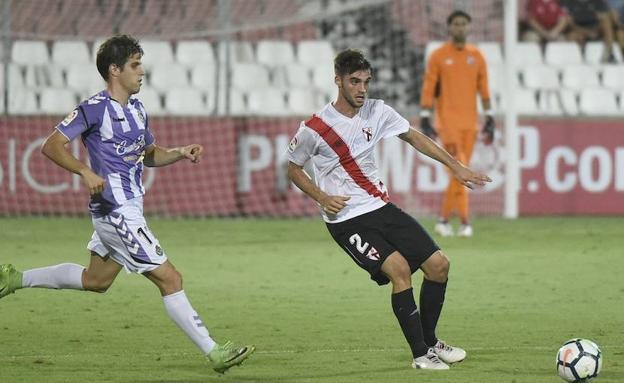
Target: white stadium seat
526, 102
67, 53
185, 102
240, 52
492, 52
156, 52
293, 75
302, 102
560, 53
275, 53
569, 102
578, 77
313, 52
245, 76
237, 104
27, 52
204, 77
540, 77
323, 78
57, 101
598, 102
195, 52
166, 76
83, 79
613, 77
594, 52
23, 101
152, 100
528, 53
550, 103
266, 102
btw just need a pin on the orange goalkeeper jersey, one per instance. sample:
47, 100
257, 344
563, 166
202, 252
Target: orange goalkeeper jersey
459, 74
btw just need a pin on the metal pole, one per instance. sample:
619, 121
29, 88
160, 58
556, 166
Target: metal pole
512, 172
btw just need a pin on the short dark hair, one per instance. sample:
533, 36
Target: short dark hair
457, 13
350, 61
116, 50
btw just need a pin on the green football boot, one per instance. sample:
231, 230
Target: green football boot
10, 280
227, 355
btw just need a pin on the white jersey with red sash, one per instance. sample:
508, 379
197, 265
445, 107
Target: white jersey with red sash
342, 152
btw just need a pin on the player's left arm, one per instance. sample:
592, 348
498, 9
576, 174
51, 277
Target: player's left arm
489, 125
430, 148
156, 156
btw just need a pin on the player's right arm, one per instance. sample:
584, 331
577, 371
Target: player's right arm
432, 77
54, 148
329, 203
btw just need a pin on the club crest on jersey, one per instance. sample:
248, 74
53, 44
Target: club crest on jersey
368, 132
141, 117
70, 117
470, 60
293, 144
373, 254
159, 250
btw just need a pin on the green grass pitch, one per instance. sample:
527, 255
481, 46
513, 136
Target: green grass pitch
518, 290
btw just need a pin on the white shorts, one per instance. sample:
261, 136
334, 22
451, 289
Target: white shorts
124, 236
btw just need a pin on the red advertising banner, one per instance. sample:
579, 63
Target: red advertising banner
567, 167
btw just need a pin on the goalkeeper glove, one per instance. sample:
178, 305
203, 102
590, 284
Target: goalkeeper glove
425, 125
488, 130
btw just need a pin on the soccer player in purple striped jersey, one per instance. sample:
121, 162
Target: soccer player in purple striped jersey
114, 127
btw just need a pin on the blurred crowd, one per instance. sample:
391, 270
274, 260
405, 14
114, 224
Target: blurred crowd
576, 20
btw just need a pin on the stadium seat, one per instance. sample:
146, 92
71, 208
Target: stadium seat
550, 102
569, 102
240, 52
594, 51
43, 76
195, 53
27, 52
166, 76
204, 77
82, 79
152, 101
561, 53
245, 75
68, 53
275, 53
613, 77
95, 47
598, 102
267, 102
185, 102
540, 77
526, 102
293, 75
312, 52
492, 52
56, 101
323, 78
302, 102
23, 101
578, 77
528, 53
237, 104
156, 52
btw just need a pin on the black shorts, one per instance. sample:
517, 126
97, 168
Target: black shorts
370, 238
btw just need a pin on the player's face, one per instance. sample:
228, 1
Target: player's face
459, 29
131, 75
354, 87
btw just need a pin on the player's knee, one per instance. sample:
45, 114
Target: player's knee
438, 270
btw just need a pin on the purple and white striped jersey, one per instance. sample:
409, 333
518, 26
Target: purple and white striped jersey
115, 136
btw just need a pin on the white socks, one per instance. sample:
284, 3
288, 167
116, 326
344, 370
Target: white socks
63, 276
180, 310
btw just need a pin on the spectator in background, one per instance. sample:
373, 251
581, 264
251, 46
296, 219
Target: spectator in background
617, 19
590, 20
546, 21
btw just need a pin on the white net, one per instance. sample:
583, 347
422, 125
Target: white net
243, 106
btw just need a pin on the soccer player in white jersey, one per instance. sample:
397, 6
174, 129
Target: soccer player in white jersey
113, 125
354, 202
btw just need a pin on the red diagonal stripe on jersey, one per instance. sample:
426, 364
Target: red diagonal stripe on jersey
346, 160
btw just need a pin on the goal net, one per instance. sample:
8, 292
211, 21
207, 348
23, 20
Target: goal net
236, 76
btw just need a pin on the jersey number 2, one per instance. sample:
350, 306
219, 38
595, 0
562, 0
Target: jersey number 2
356, 240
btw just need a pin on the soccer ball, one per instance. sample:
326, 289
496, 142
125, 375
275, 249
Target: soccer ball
579, 360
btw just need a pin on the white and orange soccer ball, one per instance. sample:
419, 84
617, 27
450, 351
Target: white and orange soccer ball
579, 360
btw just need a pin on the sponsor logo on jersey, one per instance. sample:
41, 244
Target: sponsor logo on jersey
470, 60
70, 117
123, 148
368, 132
449, 61
293, 144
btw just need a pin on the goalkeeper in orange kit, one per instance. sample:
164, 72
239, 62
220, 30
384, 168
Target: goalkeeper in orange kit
455, 73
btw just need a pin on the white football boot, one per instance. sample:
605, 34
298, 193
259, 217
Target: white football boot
444, 229
429, 361
449, 354
464, 231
